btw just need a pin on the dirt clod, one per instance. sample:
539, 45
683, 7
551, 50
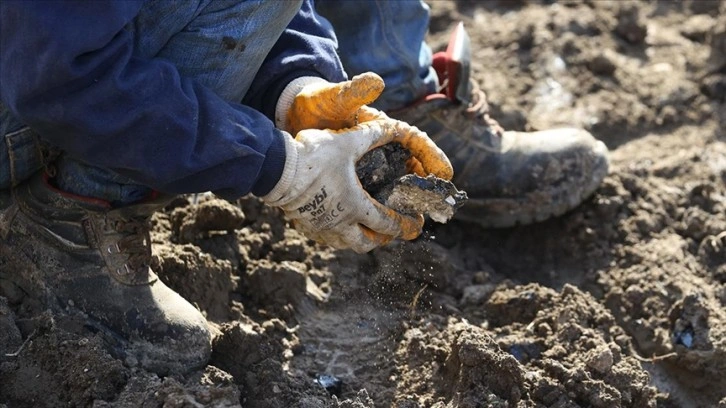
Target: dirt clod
383, 174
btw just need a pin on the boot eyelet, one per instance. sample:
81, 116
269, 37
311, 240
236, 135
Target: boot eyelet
113, 249
123, 271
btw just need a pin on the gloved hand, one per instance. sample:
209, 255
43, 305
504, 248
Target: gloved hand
313, 103
320, 191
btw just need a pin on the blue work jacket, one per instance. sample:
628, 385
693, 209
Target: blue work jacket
68, 71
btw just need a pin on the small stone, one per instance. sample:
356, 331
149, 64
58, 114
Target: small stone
131, 361
600, 359
684, 337
477, 294
543, 329
333, 385
602, 65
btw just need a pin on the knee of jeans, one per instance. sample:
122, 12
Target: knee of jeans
22, 154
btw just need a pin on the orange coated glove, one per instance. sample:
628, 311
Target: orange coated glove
320, 192
318, 104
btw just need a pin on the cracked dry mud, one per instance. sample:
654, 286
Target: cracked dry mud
617, 303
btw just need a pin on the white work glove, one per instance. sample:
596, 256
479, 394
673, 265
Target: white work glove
320, 191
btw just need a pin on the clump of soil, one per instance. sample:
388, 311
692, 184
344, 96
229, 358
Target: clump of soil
617, 303
384, 175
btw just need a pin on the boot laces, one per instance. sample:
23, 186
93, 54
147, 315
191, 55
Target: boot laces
135, 244
487, 133
478, 109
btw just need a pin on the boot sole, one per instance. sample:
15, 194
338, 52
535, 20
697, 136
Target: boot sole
160, 360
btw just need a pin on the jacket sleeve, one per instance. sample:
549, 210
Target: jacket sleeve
307, 47
67, 71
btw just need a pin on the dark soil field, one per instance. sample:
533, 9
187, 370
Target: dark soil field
619, 303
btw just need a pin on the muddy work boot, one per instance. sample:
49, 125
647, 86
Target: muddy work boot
510, 177
84, 258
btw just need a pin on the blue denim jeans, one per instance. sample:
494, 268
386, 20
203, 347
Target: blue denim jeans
385, 37
191, 34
